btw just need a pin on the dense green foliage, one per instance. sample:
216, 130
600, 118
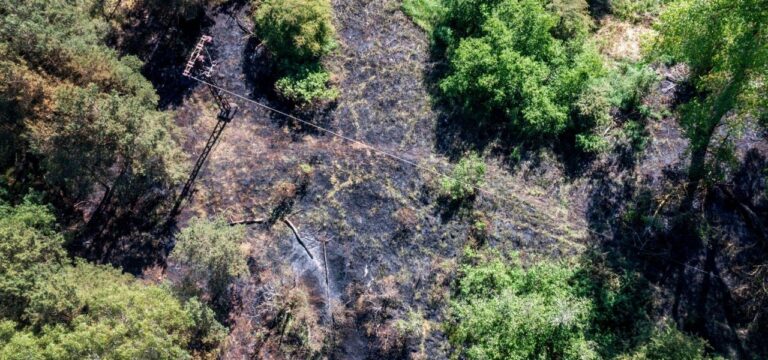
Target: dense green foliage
296, 30
630, 10
521, 61
425, 13
502, 310
466, 177
670, 343
637, 10
298, 33
531, 64
506, 312
306, 83
85, 111
55, 310
212, 250
724, 44
28, 245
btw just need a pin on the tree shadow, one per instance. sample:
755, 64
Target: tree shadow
621, 319
449, 208
261, 74
126, 230
691, 246
162, 39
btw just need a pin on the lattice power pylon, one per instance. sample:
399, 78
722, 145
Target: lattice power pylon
200, 64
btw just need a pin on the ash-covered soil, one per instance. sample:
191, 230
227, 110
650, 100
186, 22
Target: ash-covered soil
384, 244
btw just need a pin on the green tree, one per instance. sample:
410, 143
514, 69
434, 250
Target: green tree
29, 244
212, 250
104, 139
506, 63
299, 33
724, 44
557, 310
503, 311
91, 311
78, 106
53, 309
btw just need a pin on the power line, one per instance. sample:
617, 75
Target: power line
367, 146
415, 164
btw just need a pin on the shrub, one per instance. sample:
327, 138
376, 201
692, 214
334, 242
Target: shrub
306, 86
591, 143
211, 249
296, 30
631, 83
637, 10
467, 175
299, 33
670, 343
425, 13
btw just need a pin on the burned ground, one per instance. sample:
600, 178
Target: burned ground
383, 245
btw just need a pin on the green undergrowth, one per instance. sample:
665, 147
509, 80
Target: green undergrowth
467, 176
424, 13
307, 84
637, 10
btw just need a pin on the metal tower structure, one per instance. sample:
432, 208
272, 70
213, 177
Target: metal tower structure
201, 64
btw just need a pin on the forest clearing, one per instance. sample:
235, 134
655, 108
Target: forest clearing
347, 179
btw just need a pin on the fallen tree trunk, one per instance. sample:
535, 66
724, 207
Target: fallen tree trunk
298, 238
248, 222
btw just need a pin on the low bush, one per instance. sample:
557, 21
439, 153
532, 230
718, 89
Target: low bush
212, 252
637, 10
296, 30
467, 175
307, 86
670, 343
425, 13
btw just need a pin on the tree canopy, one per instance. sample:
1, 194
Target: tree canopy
87, 112
505, 312
520, 62
550, 310
726, 47
28, 244
55, 309
298, 33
